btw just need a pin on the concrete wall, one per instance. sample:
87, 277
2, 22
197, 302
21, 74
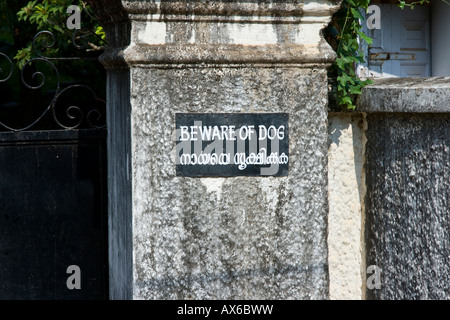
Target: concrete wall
407, 209
408, 187
238, 237
389, 191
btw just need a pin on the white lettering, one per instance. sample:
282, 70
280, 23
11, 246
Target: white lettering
184, 133
205, 133
274, 130
216, 133
224, 159
224, 130
243, 133
262, 132
204, 158
232, 135
194, 159
281, 132
271, 133
250, 149
242, 161
194, 310
214, 159
194, 133
251, 131
185, 159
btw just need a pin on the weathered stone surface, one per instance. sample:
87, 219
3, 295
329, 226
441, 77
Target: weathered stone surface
224, 32
422, 95
229, 238
216, 238
407, 204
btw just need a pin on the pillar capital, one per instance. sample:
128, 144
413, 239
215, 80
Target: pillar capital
224, 32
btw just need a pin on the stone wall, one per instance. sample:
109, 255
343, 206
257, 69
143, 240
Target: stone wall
408, 187
215, 237
389, 191
367, 189
237, 237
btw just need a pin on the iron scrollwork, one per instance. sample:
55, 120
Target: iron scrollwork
11, 68
71, 105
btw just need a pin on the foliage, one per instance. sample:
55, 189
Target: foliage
23, 56
402, 4
344, 34
6, 18
46, 15
72, 53
51, 15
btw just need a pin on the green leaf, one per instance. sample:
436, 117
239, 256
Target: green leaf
58, 28
343, 79
355, 89
357, 14
349, 19
23, 56
366, 38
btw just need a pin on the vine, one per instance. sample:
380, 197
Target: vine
344, 34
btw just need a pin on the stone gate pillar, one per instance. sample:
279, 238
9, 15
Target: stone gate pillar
185, 224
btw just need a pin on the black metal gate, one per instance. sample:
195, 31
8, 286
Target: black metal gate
53, 187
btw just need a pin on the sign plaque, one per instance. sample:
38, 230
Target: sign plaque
232, 144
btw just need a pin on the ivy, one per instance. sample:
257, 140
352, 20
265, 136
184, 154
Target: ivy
345, 33
413, 4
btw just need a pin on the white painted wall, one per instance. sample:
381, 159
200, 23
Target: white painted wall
345, 198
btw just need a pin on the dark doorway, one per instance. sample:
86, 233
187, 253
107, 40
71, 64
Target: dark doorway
53, 180
53, 215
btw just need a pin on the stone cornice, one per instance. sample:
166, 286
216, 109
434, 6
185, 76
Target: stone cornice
230, 8
411, 95
213, 55
215, 32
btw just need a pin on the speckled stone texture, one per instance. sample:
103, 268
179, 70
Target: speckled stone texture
229, 238
407, 204
406, 95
